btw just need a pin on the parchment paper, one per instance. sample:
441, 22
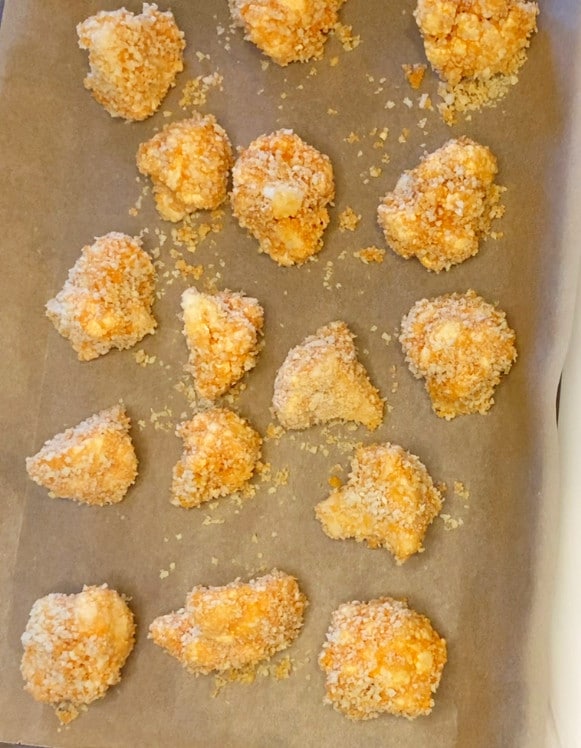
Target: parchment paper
69, 175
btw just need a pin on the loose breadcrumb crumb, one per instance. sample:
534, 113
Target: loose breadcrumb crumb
278, 670
74, 648
221, 452
370, 254
274, 432
344, 33
322, 380
381, 657
195, 91
389, 501
143, 359
451, 523
287, 30
222, 332
477, 47
349, 220
440, 211
190, 233
281, 187
461, 490
461, 345
106, 301
93, 463
133, 59
414, 74
235, 626
187, 271
188, 162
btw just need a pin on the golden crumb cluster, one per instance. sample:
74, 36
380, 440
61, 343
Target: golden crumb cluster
287, 30
106, 301
461, 345
75, 647
133, 59
222, 332
369, 255
93, 462
439, 211
281, 189
414, 74
476, 46
231, 627
322, 380
221, 451
388, 501
381, 657
189, 163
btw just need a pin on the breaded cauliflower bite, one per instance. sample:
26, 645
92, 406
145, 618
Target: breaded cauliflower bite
75, 647
106, 301
235, 626
189, 163
221, 452
440, 211
223, 335
461, 345
389, 501
281, 189
93, 463
476, 46
322, 380
287, 30
133, 59
381, 657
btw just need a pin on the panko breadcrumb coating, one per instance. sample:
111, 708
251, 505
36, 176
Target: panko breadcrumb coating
221, 451
439, 211
106, 301
189, 163
93, 463
281, 187
476, 46
388, 501
381, 657
134, 59
287, 30
235, 626
322, 380
75, 647
222, 332
461, 345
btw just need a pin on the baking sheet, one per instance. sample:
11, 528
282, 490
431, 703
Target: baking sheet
69, 175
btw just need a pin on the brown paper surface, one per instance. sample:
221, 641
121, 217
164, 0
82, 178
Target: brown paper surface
69, 175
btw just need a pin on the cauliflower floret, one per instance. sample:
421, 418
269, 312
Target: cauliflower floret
134, 59
439, 211
388, 501
93, 463
222, 332
189, 163
75, 647
235, 626
287, 30
106, 301
461, 345
221, 452
322, 380
381, 657
281, 187
476, 46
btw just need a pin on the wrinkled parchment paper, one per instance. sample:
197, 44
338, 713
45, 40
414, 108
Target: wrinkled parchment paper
68, 175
